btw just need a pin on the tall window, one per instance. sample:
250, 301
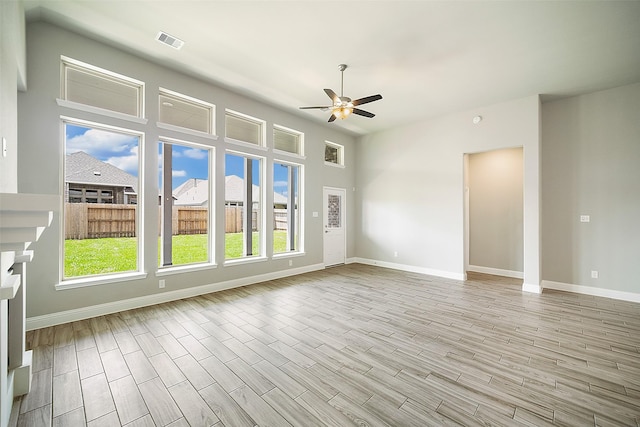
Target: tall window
102, 189
243, 206
185, 203
286, 212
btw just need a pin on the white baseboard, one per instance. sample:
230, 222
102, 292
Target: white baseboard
53, 319
590, 290
410, 268
496, 271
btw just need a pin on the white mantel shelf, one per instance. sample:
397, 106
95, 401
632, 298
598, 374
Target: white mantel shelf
23, 219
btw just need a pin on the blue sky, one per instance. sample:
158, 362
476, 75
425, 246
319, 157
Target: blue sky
121, 150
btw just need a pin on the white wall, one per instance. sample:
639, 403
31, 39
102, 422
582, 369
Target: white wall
496, 212
40, 166
410, 187
591, 166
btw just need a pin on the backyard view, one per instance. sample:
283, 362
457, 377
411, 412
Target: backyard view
111, 255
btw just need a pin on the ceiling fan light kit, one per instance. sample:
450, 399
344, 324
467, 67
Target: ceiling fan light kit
343, 106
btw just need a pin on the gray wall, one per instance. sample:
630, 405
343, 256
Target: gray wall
495, 209
40, 166
411, 186
591, 166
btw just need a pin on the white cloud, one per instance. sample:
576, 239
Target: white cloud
195, 153
128, 163
179, 173
100, 143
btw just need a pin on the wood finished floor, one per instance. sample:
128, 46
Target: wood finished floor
351, 345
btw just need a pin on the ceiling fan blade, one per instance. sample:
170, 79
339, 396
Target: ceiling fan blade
332, 117
321, 108
363, 113
367, 99
332, 95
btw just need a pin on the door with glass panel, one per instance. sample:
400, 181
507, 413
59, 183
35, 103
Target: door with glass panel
334, 241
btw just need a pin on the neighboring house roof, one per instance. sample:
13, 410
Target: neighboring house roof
195, 192
82, 168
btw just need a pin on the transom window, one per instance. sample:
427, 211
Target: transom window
190, 113
288, 140
89, 85
240, 127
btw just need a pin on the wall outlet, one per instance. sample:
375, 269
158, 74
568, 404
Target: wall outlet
290, 262
395, 254
161, 283
585, 218
594, 274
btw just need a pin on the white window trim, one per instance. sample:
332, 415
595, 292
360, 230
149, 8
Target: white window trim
77, 282
186, 131
244, 260
186, 268
293, 132
245, 144
262, 123
212, 210
301, 209
340, 154
101, 111
66, 62
186, 98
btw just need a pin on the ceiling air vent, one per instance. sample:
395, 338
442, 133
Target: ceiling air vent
168, 39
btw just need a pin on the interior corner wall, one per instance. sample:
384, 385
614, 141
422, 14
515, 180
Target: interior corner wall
496, 210
410, 184
591, 166
41, 159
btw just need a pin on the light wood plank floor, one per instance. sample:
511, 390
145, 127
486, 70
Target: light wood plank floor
351, 345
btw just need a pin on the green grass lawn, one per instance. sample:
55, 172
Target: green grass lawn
114, 255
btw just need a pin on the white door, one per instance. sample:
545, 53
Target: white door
334, 226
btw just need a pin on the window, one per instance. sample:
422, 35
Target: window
243, 207
240, 127
101, 182
89, 85
286, 208
287, 140
186, 112
185, 203
333, 153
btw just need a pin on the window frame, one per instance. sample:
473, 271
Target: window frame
300, 135
211, 116
262, 256
98, 279
300, 216
67, 63
340, 154
247, 118
211, 230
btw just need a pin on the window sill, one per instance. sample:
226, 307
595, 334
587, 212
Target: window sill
98, 280
187, 131
335, 165
287, 255
102, 111
166, 271
241, 261
244, 144
289, 154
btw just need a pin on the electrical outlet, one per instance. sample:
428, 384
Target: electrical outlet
290, 262
594, 274
161, 284
395, 254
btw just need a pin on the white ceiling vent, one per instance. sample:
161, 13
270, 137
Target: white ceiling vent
168, 39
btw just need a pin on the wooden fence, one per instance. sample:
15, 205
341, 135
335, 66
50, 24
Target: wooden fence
97, 220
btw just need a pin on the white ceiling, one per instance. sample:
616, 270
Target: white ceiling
426, 58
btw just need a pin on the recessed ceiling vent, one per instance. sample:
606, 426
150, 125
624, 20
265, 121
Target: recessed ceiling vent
168, 39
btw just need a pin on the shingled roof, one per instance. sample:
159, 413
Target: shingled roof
82, 168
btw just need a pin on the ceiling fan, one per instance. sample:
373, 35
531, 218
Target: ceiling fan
342, 105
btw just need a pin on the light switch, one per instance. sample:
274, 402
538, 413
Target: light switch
584, 218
